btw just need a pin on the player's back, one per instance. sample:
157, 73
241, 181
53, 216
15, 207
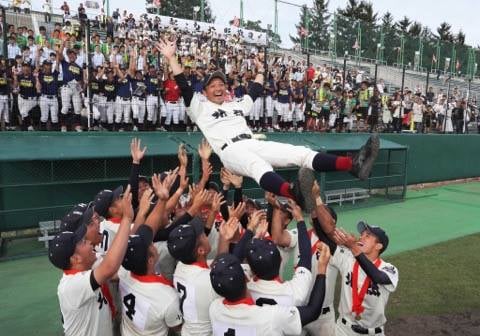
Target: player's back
150, 304
244, 318
108, 229
195, 292
84, 311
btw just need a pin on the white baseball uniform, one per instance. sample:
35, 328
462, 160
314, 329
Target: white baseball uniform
109, 229
48, 106
289, 293
166, 263
123, 107
84, 311
138, 108
220, 124
150, 304
70, 92
195, 292
244, 318
289, 251
25, 105
4, 109
375, 299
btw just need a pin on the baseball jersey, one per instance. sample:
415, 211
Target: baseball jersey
71, 71
220, 123
376, 297
244, 318
287, 252
289, 293
109, 229
150, 304
49, 83
27, 86
84, 311
166, 263
195, 292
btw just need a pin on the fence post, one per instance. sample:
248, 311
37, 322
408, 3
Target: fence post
428, 80
89, 82
344, 70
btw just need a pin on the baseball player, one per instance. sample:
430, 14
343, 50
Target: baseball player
237, 314
174, 111
99, 100
150, 305
85, 301
27, 97
123, 104
270, 91
324, 95
83, 214
109, 86
47, 87
138, 101
224, 126
72, 86
154, 100
299, 97
284, 104
4, 97
367, 279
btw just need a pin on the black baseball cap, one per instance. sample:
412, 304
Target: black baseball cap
73, 219
376, 231
183, 239
212, 76
104, 199
47, 61
62, 247
135, 259
264, 258
227, 277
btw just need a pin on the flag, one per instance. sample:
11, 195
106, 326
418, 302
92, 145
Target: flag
236, 22
434, 59
356, 45
458, 65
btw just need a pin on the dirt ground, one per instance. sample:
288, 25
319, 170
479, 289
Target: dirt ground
461, 324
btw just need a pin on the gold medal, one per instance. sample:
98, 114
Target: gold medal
358, 317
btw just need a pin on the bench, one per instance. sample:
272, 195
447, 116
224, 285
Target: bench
345, 195
48, 229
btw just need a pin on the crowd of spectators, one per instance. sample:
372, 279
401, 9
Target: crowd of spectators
126, 85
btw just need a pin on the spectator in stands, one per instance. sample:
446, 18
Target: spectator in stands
66, 11
13, 49
47, 9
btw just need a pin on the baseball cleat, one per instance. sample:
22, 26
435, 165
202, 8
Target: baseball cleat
362, 162
306, 178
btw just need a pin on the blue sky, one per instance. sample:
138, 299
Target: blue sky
459, 13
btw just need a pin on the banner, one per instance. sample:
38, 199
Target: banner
218, 31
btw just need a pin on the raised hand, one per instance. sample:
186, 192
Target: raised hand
224, 178
262, 229
167, 48
315, 189
217, 202
295, 210
229, 228
182, 155
136, 151
204, 150
341, 237
126, 204
324, 257
201, 198
145, 201
255, 219
271, 198
237, 211
236, 180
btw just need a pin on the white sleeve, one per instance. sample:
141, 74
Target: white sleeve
173, 315
300, 285
293, 238
246, 104
340, 258
79, 289
287, 320
195, 107
392, 273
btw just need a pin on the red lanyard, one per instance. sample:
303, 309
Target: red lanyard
357, 298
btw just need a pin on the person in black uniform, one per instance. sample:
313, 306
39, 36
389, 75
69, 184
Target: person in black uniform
154, 82
47, 86
98, 99
27, 98
123, 105
4, 95
71, 88
375, 106
109, 91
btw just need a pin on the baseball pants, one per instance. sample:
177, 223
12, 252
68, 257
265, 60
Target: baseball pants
183, 110
69, 95
110, 111
138, 109
122, 110
4, 110
299, 112
269, 106
323, 326
346, 330
284, 111
254, 158
257, 110
152, 108
25, 105
98, 107
173, 111
48, 106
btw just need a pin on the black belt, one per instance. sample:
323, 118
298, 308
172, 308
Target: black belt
139, 98
361, 330
28, 98
49, 96
239, 137
325, 310
172, 102
124, 98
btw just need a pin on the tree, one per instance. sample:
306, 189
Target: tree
351, 11
403, 24
318, 26
301, 27
387, 20
460, 38
444, 32
184, 9
415, 29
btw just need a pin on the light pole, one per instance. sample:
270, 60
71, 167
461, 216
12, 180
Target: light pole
202, 10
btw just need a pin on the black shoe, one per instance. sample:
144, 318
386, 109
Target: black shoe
362, 162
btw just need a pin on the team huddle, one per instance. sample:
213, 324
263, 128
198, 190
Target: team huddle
164, 257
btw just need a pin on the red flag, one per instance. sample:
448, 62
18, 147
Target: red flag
356, 45
458, 65
236, 22
434, 59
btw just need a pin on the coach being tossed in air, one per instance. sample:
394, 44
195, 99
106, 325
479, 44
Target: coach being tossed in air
224, 126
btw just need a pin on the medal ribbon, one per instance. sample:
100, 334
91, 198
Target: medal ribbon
357, 298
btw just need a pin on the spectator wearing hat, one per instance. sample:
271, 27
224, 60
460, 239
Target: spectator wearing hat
47, 86
4, 96
124, 94
85, 301
27, 98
